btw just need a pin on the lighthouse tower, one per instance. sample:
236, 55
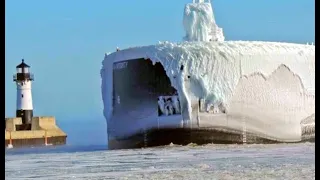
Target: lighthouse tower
23, 79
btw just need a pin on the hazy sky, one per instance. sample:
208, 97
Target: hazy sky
64, 43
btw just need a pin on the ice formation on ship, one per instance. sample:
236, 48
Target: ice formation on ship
208, 89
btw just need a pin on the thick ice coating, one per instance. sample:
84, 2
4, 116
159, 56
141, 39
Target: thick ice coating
199, 22
270, 84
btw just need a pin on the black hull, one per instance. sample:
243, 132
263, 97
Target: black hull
183, 136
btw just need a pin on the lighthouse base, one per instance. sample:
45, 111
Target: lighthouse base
32, 142
43, 130
26, 116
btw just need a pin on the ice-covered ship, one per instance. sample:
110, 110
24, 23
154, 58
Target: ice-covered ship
208, 90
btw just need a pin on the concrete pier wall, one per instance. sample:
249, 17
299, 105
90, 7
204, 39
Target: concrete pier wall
43, 130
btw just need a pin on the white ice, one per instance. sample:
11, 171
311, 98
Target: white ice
199, 22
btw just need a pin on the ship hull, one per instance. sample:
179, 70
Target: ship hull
254, 112
137, 87
185, 136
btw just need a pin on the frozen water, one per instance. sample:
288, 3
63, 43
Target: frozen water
199, 22
280, 161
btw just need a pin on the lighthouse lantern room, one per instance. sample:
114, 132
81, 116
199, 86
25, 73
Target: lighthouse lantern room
23, 79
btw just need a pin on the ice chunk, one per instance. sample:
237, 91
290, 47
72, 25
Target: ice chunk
199, 22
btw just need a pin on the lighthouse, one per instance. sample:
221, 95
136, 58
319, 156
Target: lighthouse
26, 130
23, 79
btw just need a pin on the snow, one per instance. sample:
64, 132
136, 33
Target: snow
269, 85
199, 23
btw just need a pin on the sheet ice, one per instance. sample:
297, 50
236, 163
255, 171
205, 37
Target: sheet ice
199, 22
280, 161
